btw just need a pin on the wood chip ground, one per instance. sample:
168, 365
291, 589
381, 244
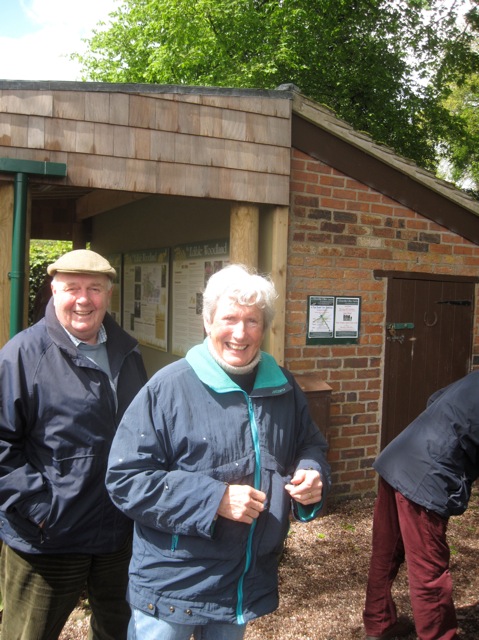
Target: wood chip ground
323, 579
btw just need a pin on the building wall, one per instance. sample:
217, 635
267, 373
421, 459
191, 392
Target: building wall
142, 139
339, 232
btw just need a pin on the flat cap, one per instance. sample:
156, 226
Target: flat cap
82, 261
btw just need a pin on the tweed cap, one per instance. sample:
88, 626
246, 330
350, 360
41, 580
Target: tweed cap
82, 261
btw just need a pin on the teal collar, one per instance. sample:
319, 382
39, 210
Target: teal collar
270, 380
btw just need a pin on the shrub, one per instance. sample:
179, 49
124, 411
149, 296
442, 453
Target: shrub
42, 253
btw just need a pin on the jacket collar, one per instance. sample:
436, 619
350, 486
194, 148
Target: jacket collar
270, 380
119, 343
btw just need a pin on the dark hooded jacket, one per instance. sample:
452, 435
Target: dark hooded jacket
58, 416
435, 460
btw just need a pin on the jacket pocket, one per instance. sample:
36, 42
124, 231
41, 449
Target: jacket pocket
239, 471
20, 528
68, 460
79, 496
229, 542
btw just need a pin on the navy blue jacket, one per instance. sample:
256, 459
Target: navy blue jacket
435, 460
190, 431
57, 422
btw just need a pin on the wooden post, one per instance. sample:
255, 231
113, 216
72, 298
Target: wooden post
79, 240
245, 232
6, 230
279, 259
244, 226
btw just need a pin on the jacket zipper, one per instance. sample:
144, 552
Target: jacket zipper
257, 485
174, 541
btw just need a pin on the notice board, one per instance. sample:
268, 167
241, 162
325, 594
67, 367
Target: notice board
145, 296
193, 264
333, 319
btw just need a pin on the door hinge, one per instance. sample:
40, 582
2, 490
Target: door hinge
461, 303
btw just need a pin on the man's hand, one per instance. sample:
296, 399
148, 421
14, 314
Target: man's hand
241, 503
305, 486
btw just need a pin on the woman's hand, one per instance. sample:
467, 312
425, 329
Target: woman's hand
241, 503
306, 486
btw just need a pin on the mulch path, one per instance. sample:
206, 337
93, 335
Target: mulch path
323, 579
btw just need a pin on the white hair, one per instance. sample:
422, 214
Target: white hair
245, 287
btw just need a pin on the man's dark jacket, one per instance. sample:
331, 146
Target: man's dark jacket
58, 416
435, 460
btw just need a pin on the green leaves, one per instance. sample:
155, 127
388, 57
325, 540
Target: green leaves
42, 253
386, 67
463, 150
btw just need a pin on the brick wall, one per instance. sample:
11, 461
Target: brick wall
340, 231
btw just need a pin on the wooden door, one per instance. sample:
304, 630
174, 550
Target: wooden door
429, 329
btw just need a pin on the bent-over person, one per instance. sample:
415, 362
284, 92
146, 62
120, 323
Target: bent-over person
426, 476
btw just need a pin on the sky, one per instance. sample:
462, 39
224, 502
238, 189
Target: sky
37, 36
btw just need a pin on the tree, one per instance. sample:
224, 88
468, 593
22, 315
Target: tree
385, 66
463, 151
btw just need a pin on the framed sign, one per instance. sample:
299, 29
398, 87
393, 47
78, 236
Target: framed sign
145, 296
193, 264
333, 319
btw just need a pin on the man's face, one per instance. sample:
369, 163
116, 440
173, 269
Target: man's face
81, 301
236, 332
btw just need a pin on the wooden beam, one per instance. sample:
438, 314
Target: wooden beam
103, 200
244, 227
80, 235
52, 219
279, 258
6, 227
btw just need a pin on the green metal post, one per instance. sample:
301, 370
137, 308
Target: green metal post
17, 274
22, 169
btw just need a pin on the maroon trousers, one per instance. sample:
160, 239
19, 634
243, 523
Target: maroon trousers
404, 530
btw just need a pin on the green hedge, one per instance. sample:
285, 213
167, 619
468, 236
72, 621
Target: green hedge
42, 253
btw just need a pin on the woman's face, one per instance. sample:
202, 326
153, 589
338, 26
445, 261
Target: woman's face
236, 331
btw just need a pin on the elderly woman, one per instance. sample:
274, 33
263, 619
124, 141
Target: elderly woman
209, 461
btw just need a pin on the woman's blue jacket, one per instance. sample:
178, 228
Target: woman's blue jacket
187, 434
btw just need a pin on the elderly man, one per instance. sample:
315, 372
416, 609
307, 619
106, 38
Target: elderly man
64, 386
210, 460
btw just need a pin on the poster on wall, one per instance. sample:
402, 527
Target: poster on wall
193, 264
346, 324
333, 319
145, 296
114, 308
321, 317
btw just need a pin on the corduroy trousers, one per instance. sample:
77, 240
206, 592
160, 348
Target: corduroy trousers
403, 530
40, 591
